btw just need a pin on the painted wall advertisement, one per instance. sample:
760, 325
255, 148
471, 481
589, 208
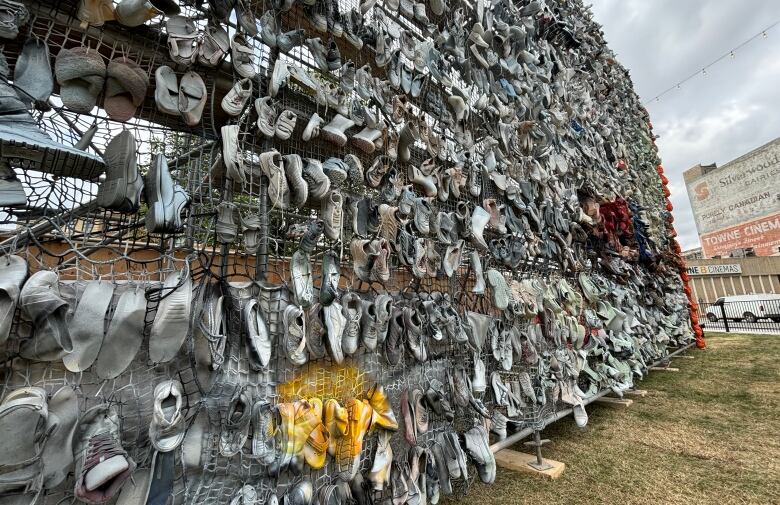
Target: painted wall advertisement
738, 205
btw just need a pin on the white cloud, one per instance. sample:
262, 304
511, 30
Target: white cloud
712, 118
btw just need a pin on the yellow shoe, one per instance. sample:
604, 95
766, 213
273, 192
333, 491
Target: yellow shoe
306, 419
311, 437
349, 446
335, 422
285, 432
316, 448
382, 410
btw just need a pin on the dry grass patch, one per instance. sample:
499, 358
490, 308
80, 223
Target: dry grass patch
708, 434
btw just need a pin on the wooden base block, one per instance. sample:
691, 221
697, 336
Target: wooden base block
664, 369
614, 402
636, 392
518, 462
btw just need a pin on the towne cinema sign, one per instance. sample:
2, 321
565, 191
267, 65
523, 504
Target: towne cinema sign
738, 204
734, 269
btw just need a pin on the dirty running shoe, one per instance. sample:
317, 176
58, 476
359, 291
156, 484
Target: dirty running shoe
102, 464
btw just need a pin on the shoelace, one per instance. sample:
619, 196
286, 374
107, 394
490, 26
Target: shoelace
101, 447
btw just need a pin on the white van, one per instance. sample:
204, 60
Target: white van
748, 308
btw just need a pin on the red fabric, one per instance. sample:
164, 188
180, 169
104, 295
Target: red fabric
694, 308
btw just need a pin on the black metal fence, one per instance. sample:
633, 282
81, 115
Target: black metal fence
746, 315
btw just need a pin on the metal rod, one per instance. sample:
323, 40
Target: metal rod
520, 435
45, 226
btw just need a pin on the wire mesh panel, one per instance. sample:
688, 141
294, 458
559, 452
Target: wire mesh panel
488, 168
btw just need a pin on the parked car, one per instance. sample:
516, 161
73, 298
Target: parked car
748, 308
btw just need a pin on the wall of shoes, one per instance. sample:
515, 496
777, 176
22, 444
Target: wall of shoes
315, 250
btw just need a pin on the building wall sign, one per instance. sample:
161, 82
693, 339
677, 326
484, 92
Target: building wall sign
742, 190
763, 235
715, 269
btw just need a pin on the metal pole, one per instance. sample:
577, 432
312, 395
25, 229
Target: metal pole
520, 435
723, 315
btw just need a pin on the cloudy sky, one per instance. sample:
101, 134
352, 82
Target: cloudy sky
712, 118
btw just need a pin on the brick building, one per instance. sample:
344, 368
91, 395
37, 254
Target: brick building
737, 206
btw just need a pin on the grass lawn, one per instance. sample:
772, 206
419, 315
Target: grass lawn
707, 434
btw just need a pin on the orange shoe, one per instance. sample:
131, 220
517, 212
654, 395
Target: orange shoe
383, 415
349, 446
336, 418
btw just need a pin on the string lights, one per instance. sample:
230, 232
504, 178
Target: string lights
732, 54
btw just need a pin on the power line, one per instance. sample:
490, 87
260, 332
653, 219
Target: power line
728, 54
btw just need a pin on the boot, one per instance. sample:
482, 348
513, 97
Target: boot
409, 134
334, 132
366, 138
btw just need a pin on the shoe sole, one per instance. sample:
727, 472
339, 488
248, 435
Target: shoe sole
364, 145
33, 156
333, 136
113, 193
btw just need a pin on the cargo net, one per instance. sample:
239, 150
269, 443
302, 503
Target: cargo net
236, 243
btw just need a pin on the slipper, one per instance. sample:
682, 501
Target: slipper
172, 320
192, 98
23, 421
214, 46
42, 303
81, 73
182, 39
87, 327
166, 90
124, 336
125, 88
57, 454
32, 72
13, 271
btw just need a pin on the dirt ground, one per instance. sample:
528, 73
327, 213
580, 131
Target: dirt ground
707, 434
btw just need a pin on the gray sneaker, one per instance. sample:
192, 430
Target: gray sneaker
24, 145
167, 200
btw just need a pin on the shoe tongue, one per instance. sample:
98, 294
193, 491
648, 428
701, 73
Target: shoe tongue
104, 471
